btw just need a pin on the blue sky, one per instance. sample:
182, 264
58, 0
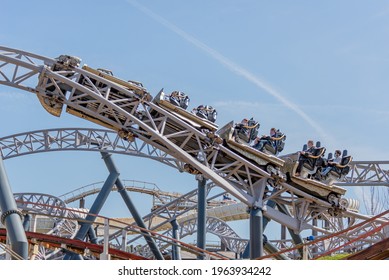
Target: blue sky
314, 69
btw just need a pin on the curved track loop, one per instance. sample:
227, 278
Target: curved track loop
52, 211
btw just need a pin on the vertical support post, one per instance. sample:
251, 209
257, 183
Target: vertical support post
257, 220
131, 207
314, 235
82, 202
11, 217
105, 254
283, 235
256, 232
201, 213
176, 250
124, 238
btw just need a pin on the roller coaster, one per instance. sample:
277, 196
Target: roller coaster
263, 182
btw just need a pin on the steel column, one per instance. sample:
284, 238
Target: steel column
176, 250
11, 217
257, 219
256, 232
201, 214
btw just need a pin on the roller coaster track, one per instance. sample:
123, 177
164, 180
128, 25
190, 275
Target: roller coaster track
56, 243
145, 127
128, 109
363, 173
160, 197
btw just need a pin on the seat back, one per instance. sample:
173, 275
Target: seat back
253, 127
249, 132
280, 143
345, 160
343, 168
312, 162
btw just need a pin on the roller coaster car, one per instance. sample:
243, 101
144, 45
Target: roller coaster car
122, 98
174, 107
238, 138
48, 93
66, 62
205, 112
279, 141
324, 191
130, 85
179, 98
338, 171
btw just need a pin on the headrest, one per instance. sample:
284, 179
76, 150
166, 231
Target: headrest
345, 160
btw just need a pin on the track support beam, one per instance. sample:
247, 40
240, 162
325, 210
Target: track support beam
201, 214
11, 217
176, 250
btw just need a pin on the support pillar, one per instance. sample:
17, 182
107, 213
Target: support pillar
314, 235
131, 206
11, 216
176, 250
201, 214
257, 220
105, 254
256, 232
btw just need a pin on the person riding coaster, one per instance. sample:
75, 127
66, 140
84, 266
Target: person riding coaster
312, 162
301, 168
238, 137
271, 144
180, 99
205, 112
246, 131
336, 172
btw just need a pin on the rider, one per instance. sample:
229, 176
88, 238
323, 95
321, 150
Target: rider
304, 156
260, 142
332, 163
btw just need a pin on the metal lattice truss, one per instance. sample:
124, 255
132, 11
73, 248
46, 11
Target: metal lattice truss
368, 173
80, 139
363, 173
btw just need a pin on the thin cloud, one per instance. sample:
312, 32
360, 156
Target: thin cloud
233, 67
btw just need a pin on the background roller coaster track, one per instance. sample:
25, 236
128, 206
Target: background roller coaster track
73, 245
